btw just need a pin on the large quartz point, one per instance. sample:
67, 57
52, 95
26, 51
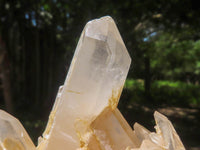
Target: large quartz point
94, 82
12, 134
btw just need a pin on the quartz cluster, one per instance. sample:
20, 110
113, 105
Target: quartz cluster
85, 114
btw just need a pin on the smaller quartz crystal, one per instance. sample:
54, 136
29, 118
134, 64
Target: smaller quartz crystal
165, 137
165, 129
111, 131
12, 134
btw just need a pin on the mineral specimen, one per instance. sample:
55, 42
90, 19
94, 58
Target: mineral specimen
85, 114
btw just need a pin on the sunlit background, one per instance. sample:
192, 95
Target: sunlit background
38, 39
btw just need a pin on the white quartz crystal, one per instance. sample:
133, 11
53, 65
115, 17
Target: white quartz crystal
94, 81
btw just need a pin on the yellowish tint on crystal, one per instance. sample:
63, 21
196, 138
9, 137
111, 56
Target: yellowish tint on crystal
12, 144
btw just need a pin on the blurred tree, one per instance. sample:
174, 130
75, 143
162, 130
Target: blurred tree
178, 58
5, 77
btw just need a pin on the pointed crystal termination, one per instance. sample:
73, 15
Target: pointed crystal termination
165, 129
94, 81
12, 134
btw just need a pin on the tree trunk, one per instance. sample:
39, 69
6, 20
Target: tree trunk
5, 77
147, 81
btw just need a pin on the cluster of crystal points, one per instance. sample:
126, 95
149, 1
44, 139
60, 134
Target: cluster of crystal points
85, 114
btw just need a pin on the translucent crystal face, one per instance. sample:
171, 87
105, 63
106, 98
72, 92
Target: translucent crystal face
12, 134
113, 132
141, 132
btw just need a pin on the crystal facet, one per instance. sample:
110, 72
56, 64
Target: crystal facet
12, 134
111, 131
